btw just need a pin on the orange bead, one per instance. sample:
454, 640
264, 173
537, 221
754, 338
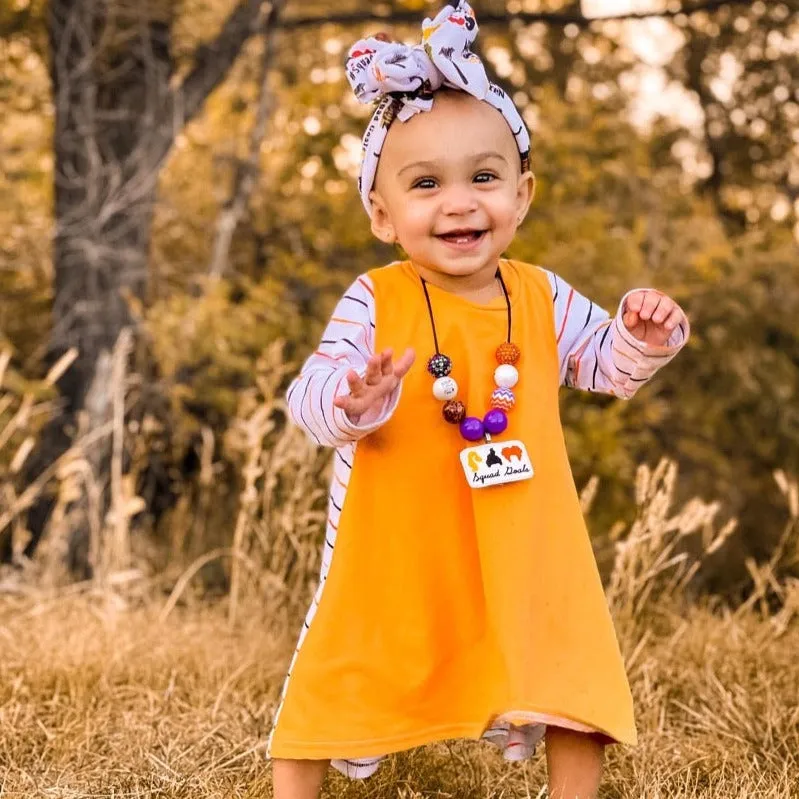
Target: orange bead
508, 353
503, 399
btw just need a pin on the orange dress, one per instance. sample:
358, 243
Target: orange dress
446, 609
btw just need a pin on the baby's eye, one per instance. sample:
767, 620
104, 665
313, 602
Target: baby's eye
424, 183
484, 177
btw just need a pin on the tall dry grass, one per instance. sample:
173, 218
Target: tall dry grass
130, 684
102, 696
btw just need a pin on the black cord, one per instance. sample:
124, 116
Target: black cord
430, 311
507, 299
433, 321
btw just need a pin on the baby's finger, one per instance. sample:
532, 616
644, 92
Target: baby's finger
351, 406
663, 311
675, 318
630, 320
344, 402
635, 301
373, 371
385, 362
356, 383
402, 366
650, 304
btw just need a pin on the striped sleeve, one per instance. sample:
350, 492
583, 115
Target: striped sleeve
597, 352
347, 344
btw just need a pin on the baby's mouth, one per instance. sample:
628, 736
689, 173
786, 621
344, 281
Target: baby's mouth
461, 236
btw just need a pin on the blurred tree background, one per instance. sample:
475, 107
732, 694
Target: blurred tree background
185, 170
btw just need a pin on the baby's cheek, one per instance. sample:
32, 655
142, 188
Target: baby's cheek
506, 217
503, 206
417, 222
413, 233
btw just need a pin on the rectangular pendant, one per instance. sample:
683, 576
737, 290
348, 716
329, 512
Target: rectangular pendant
496, 463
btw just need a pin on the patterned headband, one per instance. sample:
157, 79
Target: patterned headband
404, 78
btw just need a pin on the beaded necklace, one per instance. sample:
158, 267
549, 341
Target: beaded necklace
445, 389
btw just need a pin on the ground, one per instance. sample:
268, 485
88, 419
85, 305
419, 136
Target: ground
104, 697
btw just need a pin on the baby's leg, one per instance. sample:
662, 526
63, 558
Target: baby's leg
574, 764
298, 779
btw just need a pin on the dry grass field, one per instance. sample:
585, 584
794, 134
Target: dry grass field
121, 691
99, 699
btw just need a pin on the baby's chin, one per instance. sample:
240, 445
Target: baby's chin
455, 261
462, 266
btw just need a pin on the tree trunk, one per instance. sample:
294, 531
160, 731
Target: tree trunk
116, 119
247, 171
110, 71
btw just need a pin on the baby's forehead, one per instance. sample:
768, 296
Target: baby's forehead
458, 125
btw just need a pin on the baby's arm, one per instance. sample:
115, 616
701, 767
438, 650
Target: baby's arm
597, 352
347, 345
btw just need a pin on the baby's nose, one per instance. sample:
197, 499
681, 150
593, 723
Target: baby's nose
458, 200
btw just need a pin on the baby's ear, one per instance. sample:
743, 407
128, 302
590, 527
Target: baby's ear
382, 227
525, 192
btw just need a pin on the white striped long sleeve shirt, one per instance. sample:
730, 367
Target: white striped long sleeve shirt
596, 352
347, 344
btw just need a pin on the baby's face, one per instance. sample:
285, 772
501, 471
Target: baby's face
449, 186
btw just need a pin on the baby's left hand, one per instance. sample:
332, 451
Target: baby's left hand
651, 316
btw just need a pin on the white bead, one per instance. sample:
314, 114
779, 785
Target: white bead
506, 376
445, 388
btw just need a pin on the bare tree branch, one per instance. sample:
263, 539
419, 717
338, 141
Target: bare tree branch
215, 59
212, 64
247, 170
551, 18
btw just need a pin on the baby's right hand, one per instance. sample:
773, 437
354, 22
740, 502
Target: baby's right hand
382, 376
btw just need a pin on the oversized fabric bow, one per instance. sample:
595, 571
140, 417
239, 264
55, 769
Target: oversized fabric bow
404, 78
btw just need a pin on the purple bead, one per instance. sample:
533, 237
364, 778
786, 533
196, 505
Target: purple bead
495, 421
472, 428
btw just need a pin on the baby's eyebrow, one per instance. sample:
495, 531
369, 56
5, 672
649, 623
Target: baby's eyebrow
490, 154
433, 164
